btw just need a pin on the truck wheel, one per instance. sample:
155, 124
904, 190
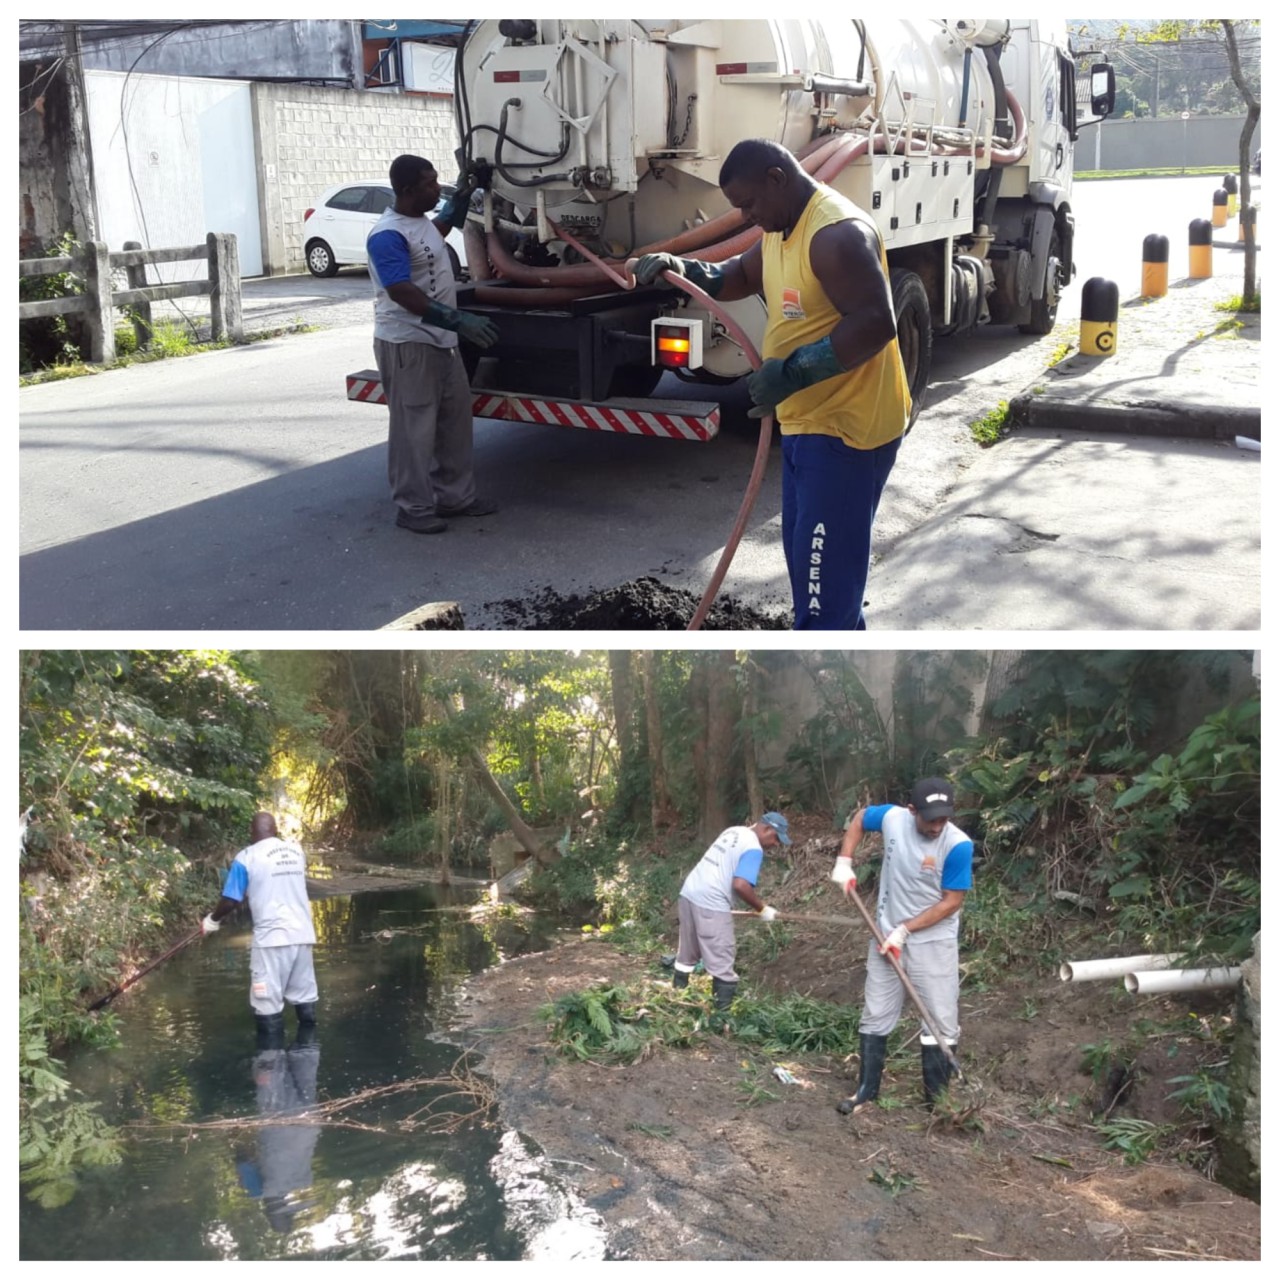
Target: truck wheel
320, 259
1044, 310
915, 334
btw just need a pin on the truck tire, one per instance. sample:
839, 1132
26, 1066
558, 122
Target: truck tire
915, 334
1044, 310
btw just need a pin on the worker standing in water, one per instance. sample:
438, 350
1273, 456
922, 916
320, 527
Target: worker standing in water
272, 874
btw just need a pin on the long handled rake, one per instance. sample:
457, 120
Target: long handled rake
142, 973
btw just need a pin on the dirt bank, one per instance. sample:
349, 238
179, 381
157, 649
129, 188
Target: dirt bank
684, 1158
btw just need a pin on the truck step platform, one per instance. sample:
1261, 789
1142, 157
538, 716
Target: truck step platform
665, 419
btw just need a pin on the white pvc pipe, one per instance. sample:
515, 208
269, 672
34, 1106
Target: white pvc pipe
1142, 984
1092, 970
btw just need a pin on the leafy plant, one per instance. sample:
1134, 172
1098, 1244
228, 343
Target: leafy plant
1202, 1092
751, 1092
893, 1180
1136, 1139
992, 426
56, 1134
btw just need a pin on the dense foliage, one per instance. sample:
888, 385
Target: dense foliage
130, 765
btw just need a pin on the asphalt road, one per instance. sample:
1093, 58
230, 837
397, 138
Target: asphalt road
240, 490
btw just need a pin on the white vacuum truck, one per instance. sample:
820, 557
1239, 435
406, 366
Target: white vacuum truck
956, 136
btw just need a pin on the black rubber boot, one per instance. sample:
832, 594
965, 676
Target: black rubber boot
870, 1066
722, 993
270, 1030
306, 1014
679, 979
937, 1072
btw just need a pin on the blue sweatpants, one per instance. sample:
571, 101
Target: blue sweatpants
830, 493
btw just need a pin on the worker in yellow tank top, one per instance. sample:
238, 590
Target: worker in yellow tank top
831, 369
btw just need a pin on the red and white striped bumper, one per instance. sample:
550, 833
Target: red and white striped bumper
664, 419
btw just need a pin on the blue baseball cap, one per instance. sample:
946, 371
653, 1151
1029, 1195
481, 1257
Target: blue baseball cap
779, 824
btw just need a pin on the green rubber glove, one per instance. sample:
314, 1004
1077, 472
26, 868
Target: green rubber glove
478, 330
650, 267
776, 379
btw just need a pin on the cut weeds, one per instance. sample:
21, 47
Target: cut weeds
625, 1023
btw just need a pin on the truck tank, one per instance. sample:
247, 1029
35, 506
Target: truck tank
584, 110
616, 129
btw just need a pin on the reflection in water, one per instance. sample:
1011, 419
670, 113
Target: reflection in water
191, 1187
281, 1166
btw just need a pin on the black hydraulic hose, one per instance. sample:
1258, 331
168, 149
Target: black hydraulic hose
504, 169
461, 98
992, 55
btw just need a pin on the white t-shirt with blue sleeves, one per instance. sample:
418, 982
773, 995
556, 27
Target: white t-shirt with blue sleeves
916, 870
736, 853
273, 875
403, 249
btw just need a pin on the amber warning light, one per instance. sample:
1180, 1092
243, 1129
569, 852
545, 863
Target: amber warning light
677, 344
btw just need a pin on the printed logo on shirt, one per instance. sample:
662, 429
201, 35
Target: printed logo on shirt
791, 308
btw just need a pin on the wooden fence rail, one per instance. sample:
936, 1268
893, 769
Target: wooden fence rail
99, 300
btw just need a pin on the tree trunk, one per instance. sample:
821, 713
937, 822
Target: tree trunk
1253, 110
519, 828
629, 800
750, 727
662, 810
712, 690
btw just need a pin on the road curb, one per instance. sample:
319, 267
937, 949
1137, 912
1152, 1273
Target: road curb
1193, 421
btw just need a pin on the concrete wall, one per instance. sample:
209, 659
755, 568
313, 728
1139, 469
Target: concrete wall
311, 138
324, 49
1240, 1137
1164, 142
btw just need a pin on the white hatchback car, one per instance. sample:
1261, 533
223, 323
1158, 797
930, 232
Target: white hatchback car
335, 230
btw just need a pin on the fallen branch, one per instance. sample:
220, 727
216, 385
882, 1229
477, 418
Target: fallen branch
332, 1112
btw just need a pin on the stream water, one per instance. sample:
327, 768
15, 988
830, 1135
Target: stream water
388, 971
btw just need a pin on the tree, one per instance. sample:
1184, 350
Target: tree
662, 811
1184, 30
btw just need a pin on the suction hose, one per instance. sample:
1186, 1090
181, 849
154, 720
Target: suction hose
626, 280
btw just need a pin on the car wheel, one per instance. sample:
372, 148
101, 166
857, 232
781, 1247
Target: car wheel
915, 334
320, 259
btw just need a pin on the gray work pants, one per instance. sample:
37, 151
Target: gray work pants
429, 435
934, 970
280, 975
708, 936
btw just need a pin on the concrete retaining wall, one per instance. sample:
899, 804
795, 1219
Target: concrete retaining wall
310, 138
1241, 1137
1164, 142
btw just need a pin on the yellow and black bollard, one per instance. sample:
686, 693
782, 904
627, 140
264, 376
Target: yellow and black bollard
1155, 266
1099, 313
1200, 239
1231, 185
1248, 214
1220, 208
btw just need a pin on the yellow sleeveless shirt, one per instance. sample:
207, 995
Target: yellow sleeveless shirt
866, 407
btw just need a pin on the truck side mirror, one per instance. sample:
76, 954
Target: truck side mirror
1102, 88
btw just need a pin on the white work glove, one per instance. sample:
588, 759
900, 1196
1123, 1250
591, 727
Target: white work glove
842, 874
767, 913
894, 941
209, 925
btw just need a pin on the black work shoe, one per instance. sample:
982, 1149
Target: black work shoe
419, 524
477, 507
